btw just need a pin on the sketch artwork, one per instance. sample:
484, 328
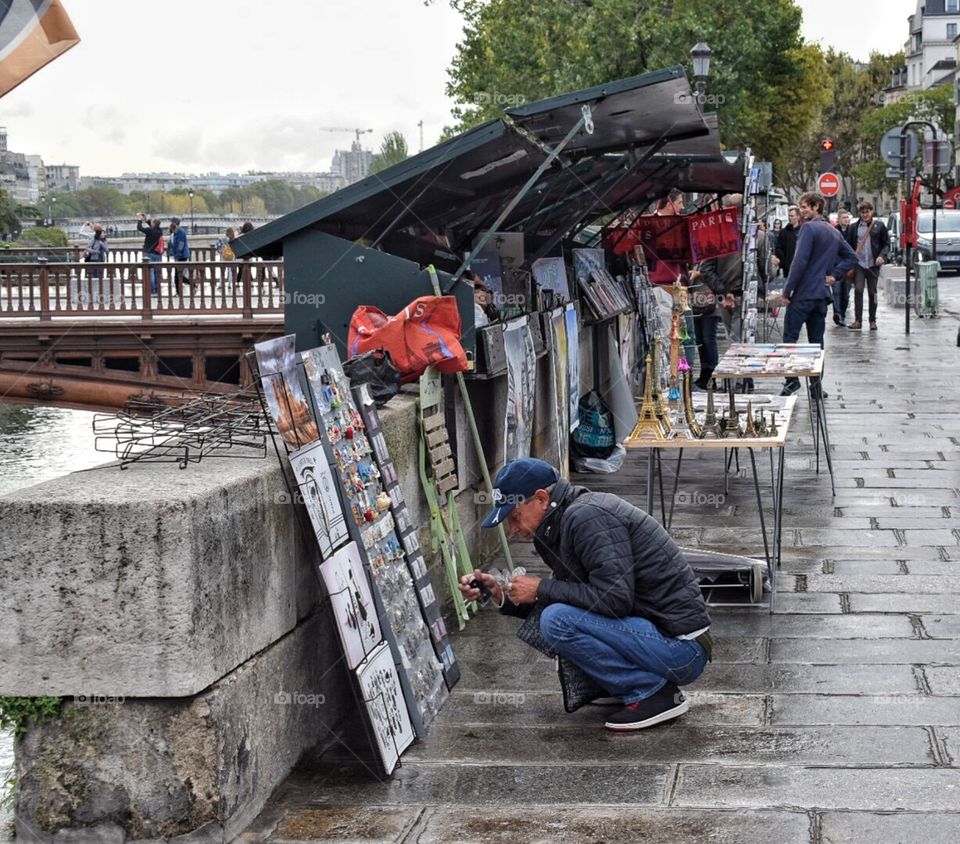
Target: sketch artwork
386, 709
318, 490
353, 606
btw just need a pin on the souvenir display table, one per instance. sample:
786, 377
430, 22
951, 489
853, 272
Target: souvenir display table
781, 361
770, 438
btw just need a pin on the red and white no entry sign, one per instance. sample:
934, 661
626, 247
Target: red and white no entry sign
829, 184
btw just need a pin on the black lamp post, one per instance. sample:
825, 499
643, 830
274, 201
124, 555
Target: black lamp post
51, 204
193, 228
700, 54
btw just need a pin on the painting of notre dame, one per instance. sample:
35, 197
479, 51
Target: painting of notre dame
285, 397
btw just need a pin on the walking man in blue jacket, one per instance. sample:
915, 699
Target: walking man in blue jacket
623, 604
179, 250
822, 257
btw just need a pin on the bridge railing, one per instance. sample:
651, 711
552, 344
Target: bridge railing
115, 254
141, 289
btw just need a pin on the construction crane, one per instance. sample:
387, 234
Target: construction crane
358, 132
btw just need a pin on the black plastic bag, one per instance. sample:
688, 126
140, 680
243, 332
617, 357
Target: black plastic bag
377, 371
594, 436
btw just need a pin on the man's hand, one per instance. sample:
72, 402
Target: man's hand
694, 275
523, 589
775, 260
729, 302
471, 593
831, 280
880, 262
785, 300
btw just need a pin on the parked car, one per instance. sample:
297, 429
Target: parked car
896, 250
948, 238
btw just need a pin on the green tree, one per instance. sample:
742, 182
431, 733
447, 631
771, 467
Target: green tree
520, 50
393, 150
9, 216
935, 105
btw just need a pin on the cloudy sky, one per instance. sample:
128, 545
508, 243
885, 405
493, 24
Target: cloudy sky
234, 85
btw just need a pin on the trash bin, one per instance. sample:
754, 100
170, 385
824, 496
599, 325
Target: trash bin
927, 300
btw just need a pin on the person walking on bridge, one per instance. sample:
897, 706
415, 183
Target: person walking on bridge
179, 251
152, 247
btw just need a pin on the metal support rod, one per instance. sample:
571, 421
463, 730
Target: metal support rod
586, 120
474, 431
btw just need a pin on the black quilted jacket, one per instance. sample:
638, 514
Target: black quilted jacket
611, 558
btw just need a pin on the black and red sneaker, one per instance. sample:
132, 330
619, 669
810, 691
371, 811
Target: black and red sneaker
665, 705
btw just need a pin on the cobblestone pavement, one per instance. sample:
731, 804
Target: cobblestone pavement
835, 720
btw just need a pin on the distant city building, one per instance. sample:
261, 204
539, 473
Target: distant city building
352, 165
930, 50
63, 178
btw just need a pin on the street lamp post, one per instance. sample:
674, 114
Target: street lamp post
193, 228
51, 204
700, 54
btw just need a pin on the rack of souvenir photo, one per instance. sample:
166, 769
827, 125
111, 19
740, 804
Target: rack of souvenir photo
650, 334
749, 227
336, 477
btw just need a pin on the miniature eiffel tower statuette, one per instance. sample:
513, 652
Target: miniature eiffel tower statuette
730, 423
773, 430
711, 427
749, 430
689, 417
648, 425
760, 424
659, 403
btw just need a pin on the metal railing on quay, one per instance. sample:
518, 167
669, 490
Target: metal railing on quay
141, 290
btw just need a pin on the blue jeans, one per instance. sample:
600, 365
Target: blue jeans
629, 657
811, 313
154, 258
841, 298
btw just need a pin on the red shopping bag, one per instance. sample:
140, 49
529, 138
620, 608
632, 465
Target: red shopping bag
425, 333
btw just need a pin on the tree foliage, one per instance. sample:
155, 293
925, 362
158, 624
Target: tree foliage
393, 150
934, 105
520, 50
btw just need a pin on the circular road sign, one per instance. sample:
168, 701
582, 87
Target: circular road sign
829, 184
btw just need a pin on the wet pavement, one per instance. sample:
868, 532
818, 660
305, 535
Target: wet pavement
837, 719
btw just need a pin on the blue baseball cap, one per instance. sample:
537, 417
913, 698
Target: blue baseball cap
516, 481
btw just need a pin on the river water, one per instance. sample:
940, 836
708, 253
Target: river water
37, 444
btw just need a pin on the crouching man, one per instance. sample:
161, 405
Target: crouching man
623, 605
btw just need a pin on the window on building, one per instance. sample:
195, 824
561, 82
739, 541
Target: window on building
951, 30
953, 6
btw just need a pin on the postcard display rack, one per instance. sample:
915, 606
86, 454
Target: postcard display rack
374, 575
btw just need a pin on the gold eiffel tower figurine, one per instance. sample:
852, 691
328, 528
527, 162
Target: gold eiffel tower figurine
711, 427
648, 427
749, 429
659, 402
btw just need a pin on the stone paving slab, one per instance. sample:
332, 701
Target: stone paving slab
808, 679
865, 652
538, 744
915, 584
919, 710
508, 707
943, 679
813, 626
753, 787
858, 827
904, 603
614, 825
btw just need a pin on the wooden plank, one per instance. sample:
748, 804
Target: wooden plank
434, 421
447, 484
437, 437
444, 468
440, 453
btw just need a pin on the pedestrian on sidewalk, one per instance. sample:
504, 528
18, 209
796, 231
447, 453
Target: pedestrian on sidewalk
623, 605
179, 251
821, 258
787, 240
841, 288
871, 241
152, 247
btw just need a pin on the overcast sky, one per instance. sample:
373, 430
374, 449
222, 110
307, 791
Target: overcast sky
234, 85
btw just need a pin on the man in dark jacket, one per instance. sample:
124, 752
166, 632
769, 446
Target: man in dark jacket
787, 240
871, 241
152, 246
821, 258
623, 604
